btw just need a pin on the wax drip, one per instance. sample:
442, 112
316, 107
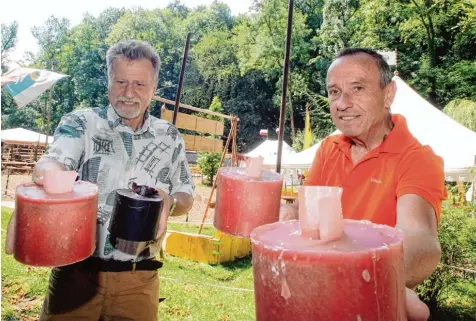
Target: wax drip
285, 292
374, 261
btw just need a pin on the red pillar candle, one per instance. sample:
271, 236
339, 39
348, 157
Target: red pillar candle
358, 277
245, 202
55, 229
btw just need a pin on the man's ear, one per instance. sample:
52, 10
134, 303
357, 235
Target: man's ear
390, 92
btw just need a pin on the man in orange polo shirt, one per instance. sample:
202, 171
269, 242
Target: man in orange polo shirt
387, 176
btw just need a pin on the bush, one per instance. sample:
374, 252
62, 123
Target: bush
208, 163
458, 245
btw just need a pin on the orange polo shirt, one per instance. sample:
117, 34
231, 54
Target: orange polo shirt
399, 165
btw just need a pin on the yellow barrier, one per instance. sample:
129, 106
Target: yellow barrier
207, 249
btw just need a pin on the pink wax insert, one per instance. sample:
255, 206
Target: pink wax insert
254, 166
359, 276
244, 203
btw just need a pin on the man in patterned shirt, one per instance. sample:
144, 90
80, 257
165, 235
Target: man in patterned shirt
113, 147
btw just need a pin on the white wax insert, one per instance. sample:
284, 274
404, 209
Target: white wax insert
320, 212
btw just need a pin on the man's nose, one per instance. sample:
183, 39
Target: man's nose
129, 92
344, 101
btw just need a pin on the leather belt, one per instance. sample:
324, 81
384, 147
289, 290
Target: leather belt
98, 264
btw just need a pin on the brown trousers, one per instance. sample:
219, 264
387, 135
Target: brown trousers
78, 294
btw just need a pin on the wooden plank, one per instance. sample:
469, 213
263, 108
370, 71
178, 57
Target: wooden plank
200, 110
218, 145
195, 123
220, 128
209, 126
205, 144
189, 141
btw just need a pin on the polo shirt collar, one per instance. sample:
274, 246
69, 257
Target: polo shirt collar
396, 141
115, 121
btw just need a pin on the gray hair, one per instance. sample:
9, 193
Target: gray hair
384, 68
132, 50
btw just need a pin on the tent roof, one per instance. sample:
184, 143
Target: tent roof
449, 139
21, 135
269, 150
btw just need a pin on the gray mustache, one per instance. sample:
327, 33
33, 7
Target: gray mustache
134, 100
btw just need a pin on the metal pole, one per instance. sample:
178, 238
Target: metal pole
282, 115
182, 72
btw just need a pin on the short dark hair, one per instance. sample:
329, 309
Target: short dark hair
384, 68
132, 50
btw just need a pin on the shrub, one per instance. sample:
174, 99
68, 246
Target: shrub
208, 163
458, 245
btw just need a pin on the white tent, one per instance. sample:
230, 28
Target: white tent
24, 136
269, 151
449, 139
302, 159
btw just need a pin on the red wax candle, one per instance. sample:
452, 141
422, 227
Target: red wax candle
244, 203
359, 277
55, 229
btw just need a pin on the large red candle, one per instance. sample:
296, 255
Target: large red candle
245, 202
358, 277
55, 229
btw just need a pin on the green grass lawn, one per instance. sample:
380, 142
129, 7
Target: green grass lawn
192, 291
188, 287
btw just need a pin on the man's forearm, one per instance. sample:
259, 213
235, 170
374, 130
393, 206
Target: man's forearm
422, 254
184, 204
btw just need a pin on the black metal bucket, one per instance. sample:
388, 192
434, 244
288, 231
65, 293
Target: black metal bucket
135, 221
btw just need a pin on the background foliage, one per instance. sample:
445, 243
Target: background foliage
237, 60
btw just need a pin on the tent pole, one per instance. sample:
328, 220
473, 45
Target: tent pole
180, 84
282, 115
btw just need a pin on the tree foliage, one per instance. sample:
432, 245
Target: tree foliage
208, 164
238, 60
9, 40
463, 111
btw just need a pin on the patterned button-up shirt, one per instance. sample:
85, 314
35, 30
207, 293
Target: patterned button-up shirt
96, 143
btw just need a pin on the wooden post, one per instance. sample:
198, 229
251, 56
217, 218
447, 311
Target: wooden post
230, 138
282, 115
473, 181
180, 84
8, 178
396, 63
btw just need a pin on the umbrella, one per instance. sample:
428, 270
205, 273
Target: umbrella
26, 84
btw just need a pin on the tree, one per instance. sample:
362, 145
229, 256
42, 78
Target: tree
298, 142
25, 117
251, 99
463, 111
208, 163
261, 40
340, 18
216, 107
9, 41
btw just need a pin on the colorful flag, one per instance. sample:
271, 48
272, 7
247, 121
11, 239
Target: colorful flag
307, 129
26, 84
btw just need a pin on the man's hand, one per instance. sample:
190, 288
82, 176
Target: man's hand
43, 165
288, 212
10, 239
416, 309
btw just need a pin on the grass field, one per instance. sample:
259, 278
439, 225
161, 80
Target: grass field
192, 291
